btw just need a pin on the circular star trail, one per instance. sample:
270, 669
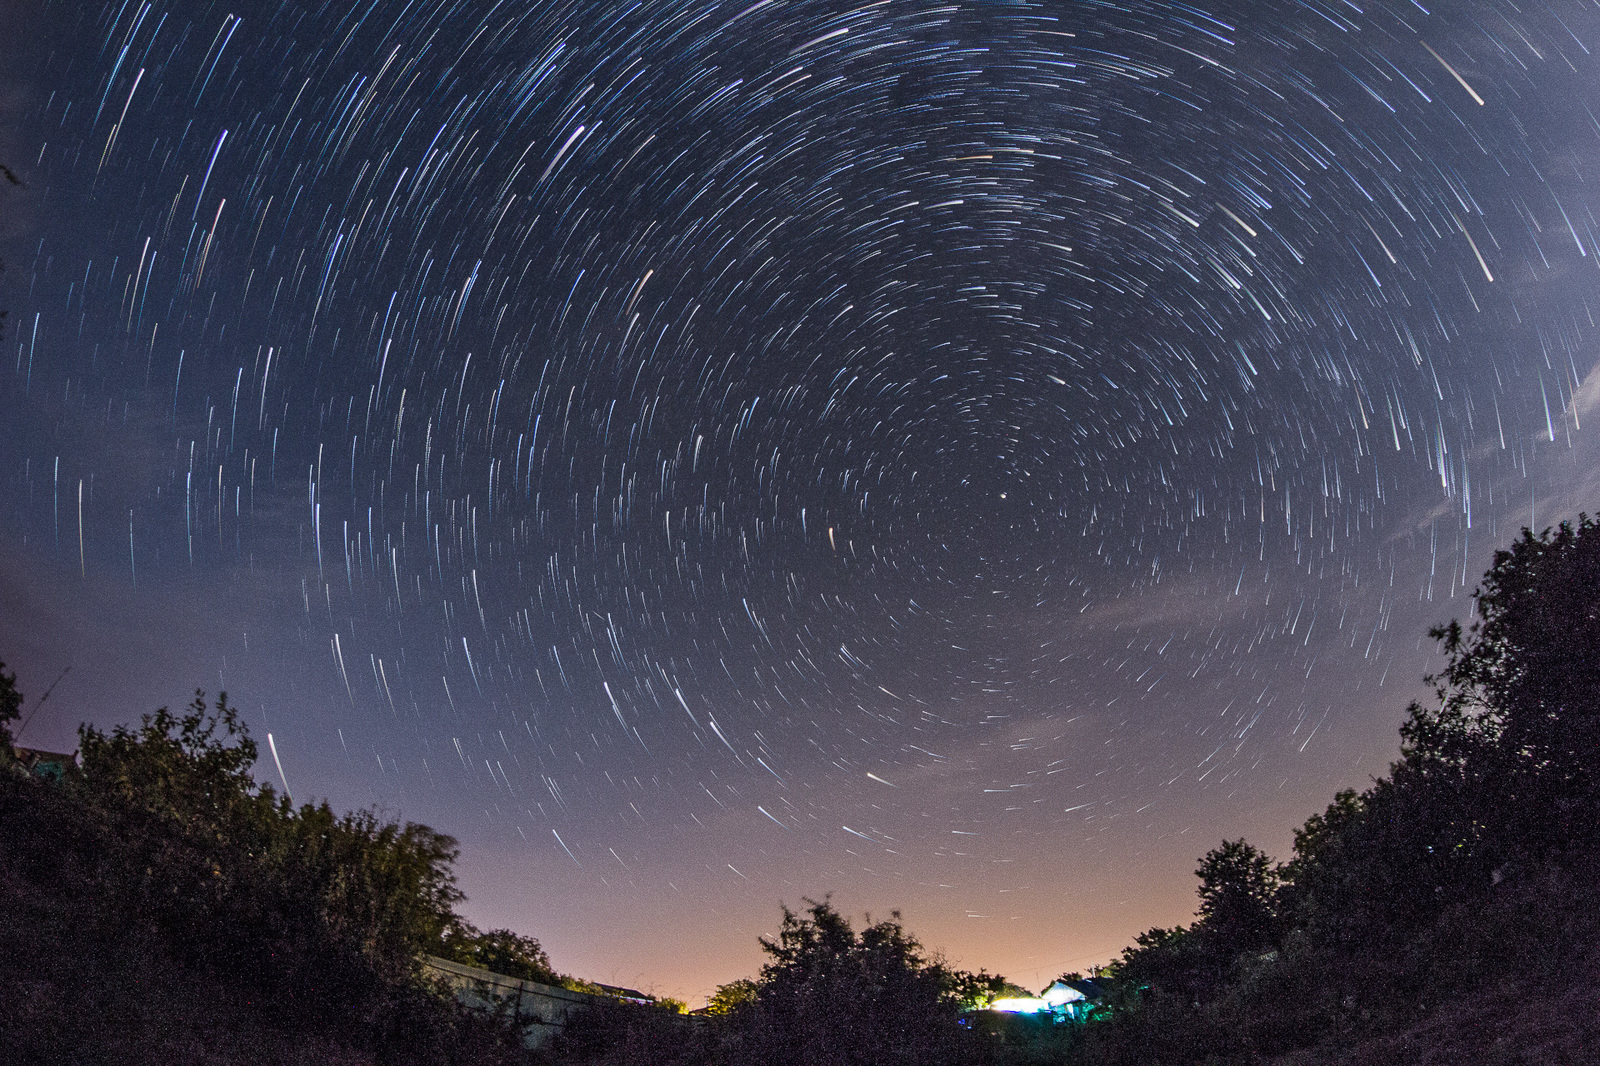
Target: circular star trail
832, 438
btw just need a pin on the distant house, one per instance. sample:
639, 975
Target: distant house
1072, 998
627, 995
49, 765
1068, 999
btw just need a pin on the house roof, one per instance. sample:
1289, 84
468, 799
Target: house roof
51, 764
1072, 989
35, 755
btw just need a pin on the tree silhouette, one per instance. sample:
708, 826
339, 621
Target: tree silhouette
1519, 697
10, 707
830, 996
1238, 886
160, 877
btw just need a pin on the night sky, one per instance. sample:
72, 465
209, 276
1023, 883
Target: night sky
964, 457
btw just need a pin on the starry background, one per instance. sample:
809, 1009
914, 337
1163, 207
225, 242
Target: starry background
964, 457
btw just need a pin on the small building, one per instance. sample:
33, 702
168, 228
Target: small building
48, 765
627, 995
1072, 998
1069, 998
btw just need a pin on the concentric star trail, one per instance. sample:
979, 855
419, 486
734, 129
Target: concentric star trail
989, 440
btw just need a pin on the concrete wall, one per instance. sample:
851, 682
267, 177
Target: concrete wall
543, 1009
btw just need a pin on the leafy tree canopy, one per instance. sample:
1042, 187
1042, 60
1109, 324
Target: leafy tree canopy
1238, 887
1518, 712
502, 951
1470, 864
830, 995
731, 996
162, 868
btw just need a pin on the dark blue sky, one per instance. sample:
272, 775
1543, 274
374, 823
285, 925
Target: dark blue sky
966, 457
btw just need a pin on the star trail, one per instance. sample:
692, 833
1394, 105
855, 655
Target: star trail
967, 457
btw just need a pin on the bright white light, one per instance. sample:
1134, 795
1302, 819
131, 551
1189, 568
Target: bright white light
1020, 1005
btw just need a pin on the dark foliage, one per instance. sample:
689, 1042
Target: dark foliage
628, 1034
1519, 715
1467, 873
162, 885
1238, 885
731, 996
500, 951
10, 710
829, 996
161, 899
1464, 877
